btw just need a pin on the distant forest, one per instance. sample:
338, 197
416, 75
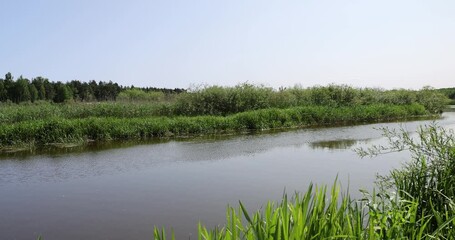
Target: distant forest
449, 92
40, 88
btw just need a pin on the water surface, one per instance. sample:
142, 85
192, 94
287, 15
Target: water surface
120, 191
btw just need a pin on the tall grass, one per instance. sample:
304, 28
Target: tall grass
57, 130
13, 113
208, 110
419, 207
323, 213
216, 100
428, 180
221, 101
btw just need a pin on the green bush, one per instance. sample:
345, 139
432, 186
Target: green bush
135, 95
222, 101
429, 179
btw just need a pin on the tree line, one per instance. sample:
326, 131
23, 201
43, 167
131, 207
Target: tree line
40, 88
449, 92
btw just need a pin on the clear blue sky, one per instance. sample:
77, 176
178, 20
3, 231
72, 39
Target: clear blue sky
387, 43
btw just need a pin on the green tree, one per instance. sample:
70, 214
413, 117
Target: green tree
3, 92
76, 89
9, 86
49, 89
9, 76
33, 93
62, 93
39, 85
86, 92
433, 100
22, 92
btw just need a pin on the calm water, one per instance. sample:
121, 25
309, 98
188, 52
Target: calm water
121, 191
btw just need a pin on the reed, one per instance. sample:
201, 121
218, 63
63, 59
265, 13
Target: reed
223, 101
13, 113
38, 133
429, 179
323, 213
216, 100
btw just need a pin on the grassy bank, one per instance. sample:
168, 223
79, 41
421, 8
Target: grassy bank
37, 133
222, 101
208, 110
415, 202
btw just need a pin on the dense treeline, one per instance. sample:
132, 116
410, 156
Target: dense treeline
39, 88
449, 92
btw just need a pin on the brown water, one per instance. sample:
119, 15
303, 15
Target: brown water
122, 190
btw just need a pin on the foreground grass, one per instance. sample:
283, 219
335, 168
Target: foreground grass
415, 202
323, 213
36, 133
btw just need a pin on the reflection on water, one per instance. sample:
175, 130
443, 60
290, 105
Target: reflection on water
121, 190
334, 144
450, 108
64, 149
319, 137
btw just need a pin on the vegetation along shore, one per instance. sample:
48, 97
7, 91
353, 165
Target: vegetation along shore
105, 111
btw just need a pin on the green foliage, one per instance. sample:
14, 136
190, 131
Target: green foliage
21, 91
216, 100
3, 92
429, 179
39, 86
449, 92
135, 95
323, 213
245, 107
105, 122
45, 110
62, 93
433, 101
222, 101
333, 95
33, 93
49, 90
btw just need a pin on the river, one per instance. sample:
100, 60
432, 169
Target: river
122, 190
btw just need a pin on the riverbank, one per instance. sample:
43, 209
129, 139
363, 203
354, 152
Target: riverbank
54, 131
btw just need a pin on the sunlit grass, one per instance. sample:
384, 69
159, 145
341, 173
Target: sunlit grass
37, 133
224, 101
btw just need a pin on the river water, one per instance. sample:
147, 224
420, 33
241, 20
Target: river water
122, 190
